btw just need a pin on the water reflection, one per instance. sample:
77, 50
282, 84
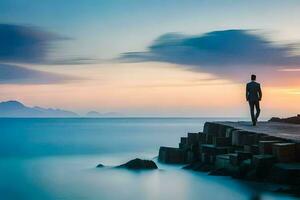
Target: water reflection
75, 177
54, 159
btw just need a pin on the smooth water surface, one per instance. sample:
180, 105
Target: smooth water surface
56, 159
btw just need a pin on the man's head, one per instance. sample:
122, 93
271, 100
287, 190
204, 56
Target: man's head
253, 77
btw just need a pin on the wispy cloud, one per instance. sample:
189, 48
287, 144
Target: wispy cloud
25, 44
289, 70
14, 74
31, 44
75, 61
227, 54
188, 83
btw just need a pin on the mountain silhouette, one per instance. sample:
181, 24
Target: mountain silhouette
17, 109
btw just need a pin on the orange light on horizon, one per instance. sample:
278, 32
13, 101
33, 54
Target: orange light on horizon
145, 86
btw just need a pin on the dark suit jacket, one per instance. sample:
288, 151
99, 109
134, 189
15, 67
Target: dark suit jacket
253, 91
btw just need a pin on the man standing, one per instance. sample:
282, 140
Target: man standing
253, 96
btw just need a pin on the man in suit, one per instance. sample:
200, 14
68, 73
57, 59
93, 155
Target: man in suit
253, 96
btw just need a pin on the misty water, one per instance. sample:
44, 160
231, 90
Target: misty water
57, 159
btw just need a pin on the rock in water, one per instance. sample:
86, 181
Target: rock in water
139, 164
100, 165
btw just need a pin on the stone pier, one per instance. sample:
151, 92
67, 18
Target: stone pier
268, 151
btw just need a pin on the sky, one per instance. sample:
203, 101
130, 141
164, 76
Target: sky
151, 58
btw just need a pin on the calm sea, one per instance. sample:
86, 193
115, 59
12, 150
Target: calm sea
57, 158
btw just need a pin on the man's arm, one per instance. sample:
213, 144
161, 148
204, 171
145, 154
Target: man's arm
259, 92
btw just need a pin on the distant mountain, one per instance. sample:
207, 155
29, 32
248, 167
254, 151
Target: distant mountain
93, 114
17, 109
97, 114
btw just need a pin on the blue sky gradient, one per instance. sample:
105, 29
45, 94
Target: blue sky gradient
71, 49
104, 29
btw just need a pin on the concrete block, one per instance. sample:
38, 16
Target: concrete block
247, 148
241, 138
284, 152
233, 159
265, 147
270, 138
263, 164
243, 155
239, 156
183, 143
250, 139
212, 151
221, 141
205, 158
190, 157
183, 140
215, 129
184, 147
209, 139
266, 159
222, 161
196, 151
222, 130
211, 128
229, 132
298, 152
172, 155
181, 146
245, 138
192, 138
235, 135
202, 138
209, 148
286, 173
253, 149
199, 155
258, 137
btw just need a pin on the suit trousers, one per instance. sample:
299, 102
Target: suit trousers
254, 105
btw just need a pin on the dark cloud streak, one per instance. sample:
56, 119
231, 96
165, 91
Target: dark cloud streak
25, 44
14, 74
227, 54
30, 44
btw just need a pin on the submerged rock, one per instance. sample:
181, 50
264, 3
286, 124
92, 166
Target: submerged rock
137, 164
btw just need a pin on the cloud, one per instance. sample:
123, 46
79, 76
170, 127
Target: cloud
190, 83
13, 74
75, 61
227, 54
30, 44
25, 44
